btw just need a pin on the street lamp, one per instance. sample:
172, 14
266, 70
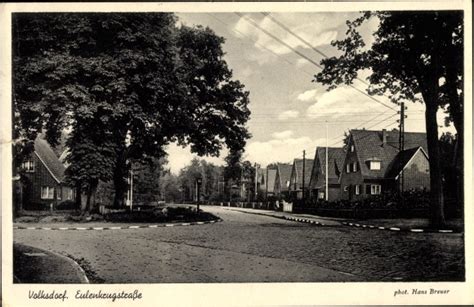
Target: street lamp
198, 184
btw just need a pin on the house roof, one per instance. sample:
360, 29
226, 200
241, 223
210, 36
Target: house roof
369, 145
271, 177
308, 167
284, 171
336, 156
401, 160
46, 154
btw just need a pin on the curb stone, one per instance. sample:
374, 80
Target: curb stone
397, 229
357, 225
119, 227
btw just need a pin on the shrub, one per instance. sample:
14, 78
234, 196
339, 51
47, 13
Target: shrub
67, 205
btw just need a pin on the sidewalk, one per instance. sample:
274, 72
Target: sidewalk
326, 221
33, 265
412, 225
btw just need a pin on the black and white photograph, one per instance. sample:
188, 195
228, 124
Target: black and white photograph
172, 147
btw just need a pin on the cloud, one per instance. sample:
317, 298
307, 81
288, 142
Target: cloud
316, 30
247, 71
343, 101
282, 135
288, 114
308, 95
281, 149
301, 62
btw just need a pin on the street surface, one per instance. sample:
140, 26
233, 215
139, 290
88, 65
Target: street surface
254, 248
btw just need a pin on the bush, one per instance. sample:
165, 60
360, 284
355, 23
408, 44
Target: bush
159, 215
67, 205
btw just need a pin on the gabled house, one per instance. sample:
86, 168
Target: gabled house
282, 180
317, 184
271, 177
43, 178
297, 180
374, 164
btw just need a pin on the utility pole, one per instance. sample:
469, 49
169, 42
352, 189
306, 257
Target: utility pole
302, 179
326, 193
401, 143
131, 187
256, 181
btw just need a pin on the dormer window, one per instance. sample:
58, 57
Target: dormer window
374, 165
28, 166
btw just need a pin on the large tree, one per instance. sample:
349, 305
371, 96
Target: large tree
415, 56
146, 81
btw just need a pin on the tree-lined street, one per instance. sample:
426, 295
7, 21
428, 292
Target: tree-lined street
253, 248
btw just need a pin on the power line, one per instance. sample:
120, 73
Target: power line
260, 45
249, 20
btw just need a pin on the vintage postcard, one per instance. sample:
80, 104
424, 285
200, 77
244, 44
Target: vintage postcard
236, 153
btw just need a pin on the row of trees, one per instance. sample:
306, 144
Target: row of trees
124, 85
415, 57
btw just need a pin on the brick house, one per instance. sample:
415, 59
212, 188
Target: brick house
43, 178
296, 179
282, 180
317, 184
373, 163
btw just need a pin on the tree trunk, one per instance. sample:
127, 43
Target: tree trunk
457, 113
120, 184
88, 207
437, 219
78, 196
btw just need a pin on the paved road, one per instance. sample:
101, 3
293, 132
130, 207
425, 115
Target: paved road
253, 248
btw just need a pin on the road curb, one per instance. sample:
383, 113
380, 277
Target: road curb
120, 227
60, 262
397, 229
353, 224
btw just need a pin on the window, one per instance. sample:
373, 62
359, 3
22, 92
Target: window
348, 168
354, 167
374, 165
357, 189
70, 194
375, 189
321, 195
28, 166
352, 148
47, 193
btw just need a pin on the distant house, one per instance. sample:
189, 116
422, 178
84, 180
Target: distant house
374, 164
297, 180
282, 180
271, 178
261, 181
317, 184
43, 177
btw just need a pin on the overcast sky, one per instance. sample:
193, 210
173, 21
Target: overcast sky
288, 110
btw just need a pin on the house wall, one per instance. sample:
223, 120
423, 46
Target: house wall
35, 180
351, 179
417, 173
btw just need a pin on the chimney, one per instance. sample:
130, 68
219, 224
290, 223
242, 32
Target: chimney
384, 136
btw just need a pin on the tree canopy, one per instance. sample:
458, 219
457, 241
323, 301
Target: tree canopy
415, 56
134, 81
